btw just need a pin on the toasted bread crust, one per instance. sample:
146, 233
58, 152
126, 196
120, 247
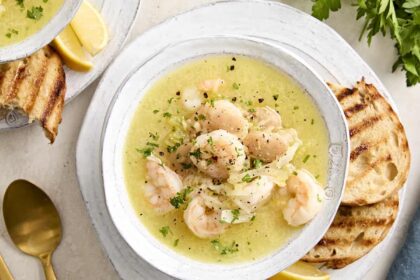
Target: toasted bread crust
354, 232
36, 86
380, 155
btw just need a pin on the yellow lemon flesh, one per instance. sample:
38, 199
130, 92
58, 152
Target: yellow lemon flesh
71, 51
301, 271
90, 28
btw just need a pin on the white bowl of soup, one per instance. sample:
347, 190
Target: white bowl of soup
28, 25
223, 158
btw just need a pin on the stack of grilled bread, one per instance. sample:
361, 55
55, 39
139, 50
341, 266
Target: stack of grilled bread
35, 86
379, 165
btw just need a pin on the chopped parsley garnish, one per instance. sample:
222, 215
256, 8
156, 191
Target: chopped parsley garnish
257, 163
155, 111
165, 230
253, 218
146, 151
275, 97
167, 115
45, 1
235, 215
9, 35
210, 141
201, 117
312, 122
176, 242
152, 144
306, 158
224, 250
181, 197
35, 13
173, 148
170, 100
235, 85
295, 107
20, 3
252, 110
247, 178
317, 177
154, 136
196, 153
248, 103
295, 173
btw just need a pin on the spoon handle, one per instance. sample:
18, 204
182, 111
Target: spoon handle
4, 270
47, 265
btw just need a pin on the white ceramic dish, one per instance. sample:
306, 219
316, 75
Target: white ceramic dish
119, 16
269, 21
44, 36
126, 101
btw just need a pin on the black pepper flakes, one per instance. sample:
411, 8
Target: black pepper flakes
205, 95
234, 58
178, 93
234, 99
232, 67
260, 100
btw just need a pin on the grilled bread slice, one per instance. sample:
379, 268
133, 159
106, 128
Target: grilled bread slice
354, 232
35, 86
380, 156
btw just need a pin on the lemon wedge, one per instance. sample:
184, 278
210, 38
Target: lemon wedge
71, 51
301, 271
90, 28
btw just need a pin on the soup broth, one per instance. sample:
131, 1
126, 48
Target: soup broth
248, 83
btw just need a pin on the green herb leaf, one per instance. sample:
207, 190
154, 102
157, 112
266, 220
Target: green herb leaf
20, 3
305, 159
196, 154
181, 197
247, 178
146, 151
35, 13
256, 163
165, 230
321, 8
235, 215
235, 85
176, 242
223, 249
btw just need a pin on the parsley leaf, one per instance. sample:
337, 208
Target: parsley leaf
321, 8
34, 13
181, 197
223, 249
165, 230
401, 18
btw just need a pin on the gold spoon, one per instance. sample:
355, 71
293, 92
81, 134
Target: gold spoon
33, 222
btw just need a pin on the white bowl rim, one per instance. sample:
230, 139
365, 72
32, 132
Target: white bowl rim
43, 36
241, 270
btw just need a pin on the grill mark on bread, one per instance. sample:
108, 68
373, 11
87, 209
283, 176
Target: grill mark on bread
349, 112
15, 84
345, 92
55, 94
349, 223
364, 125
363, 147
37, 85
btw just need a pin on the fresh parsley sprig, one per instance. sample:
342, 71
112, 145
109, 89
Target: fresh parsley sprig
401, 18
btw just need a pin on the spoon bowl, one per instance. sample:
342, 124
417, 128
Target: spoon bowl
32, 222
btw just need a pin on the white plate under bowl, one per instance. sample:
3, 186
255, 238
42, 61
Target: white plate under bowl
121, 113
119, 16
43, 36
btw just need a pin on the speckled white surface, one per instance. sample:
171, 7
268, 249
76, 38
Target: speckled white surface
25, 153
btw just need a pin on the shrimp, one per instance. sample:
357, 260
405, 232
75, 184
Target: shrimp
211, 85
218, 153
191, 99
222, 114
307, 197
254, 194
202, 220
267, 146
162, 184
266, 119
